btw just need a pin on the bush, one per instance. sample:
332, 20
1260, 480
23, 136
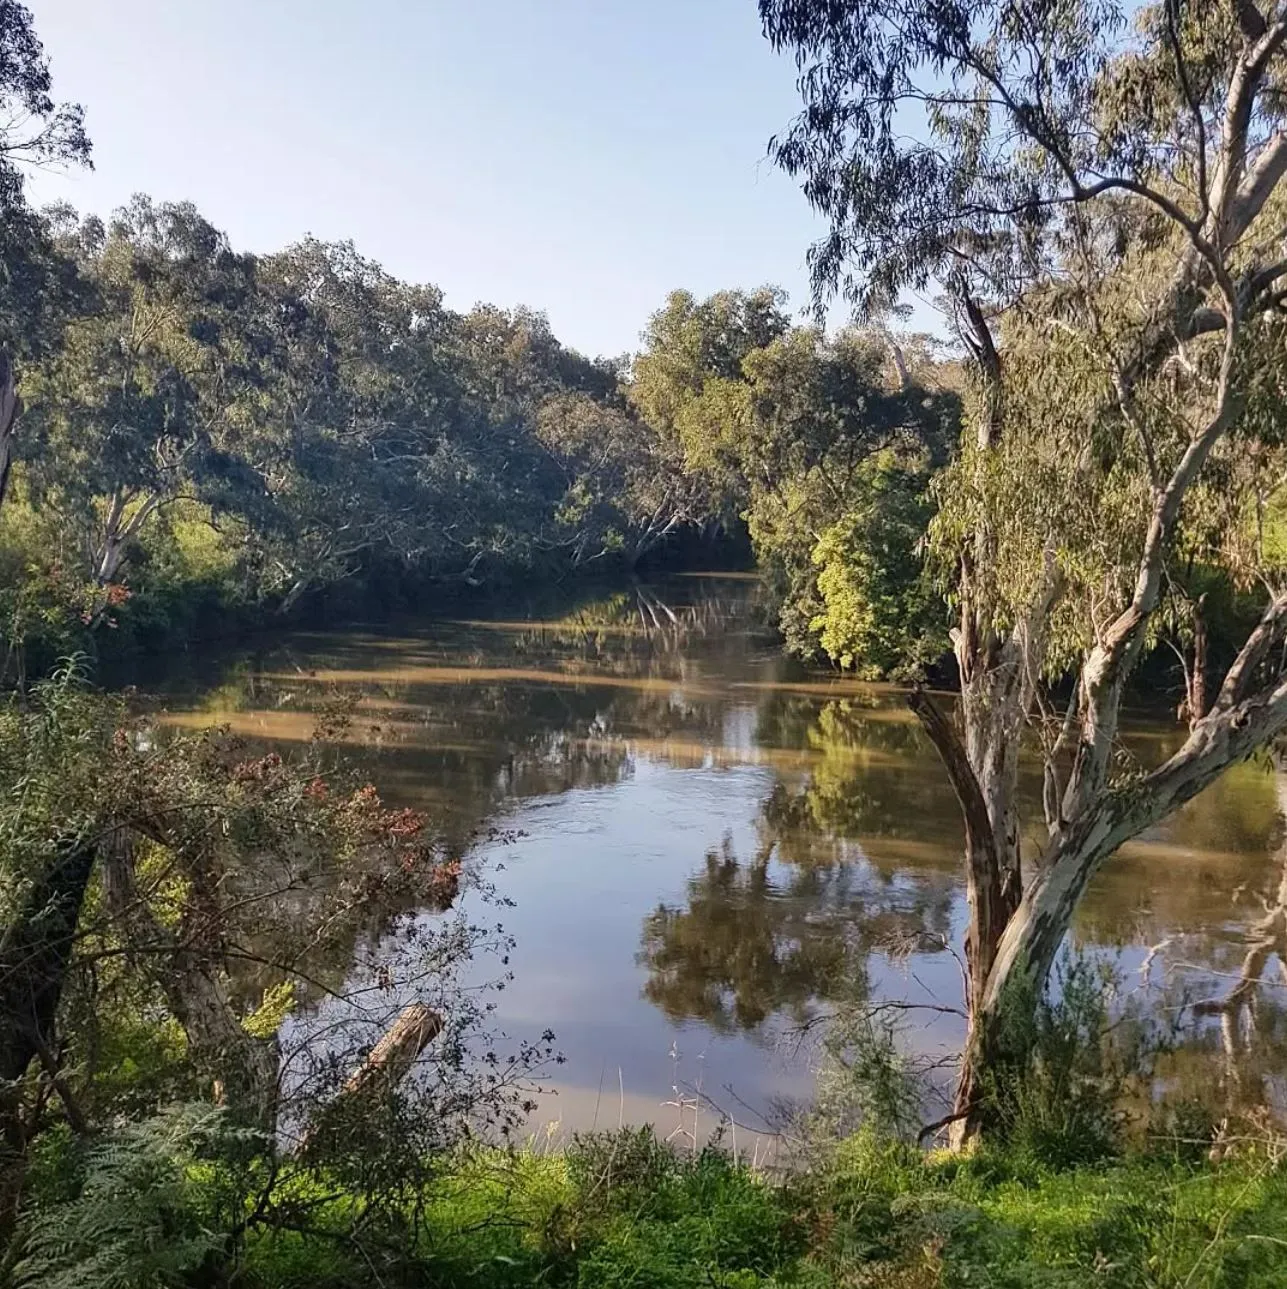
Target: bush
145, 1212
1055, 1093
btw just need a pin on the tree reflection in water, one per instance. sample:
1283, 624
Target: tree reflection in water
847, 844
794, 927
760, 939
857, 864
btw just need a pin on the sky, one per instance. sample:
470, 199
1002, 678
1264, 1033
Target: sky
582, 157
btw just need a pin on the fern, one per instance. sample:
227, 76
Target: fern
139, 1221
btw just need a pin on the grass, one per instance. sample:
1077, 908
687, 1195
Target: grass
625, 1210
1067, 1192
150, 1206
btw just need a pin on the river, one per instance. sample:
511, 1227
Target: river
700, 846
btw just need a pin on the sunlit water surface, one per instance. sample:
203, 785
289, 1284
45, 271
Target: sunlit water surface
715, 845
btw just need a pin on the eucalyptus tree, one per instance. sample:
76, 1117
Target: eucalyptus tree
627, 489
510, 486
1099, 194
688, 382
826, 458
148, 399
34, 131
364, 387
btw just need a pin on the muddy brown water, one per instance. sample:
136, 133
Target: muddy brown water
716, 845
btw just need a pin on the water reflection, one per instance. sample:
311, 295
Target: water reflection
758, 940
718, 845
870, 780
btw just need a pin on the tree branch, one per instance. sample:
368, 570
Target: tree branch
1252, 653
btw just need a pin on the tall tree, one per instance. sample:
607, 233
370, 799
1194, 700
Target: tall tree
366, 382
1104, 207
627, 487
688, 383
146, 399
34, 130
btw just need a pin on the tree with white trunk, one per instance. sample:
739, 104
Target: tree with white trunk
1099, 196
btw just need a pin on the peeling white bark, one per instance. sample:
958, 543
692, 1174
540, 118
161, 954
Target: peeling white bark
1089, 814
120, 527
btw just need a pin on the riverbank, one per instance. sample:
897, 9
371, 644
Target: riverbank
625, 1209
198, 604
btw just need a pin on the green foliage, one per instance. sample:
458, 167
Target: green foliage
216, 435
1057, 1083
624, 1210
613, 1209
866, 1085
50, 753
145, 1215
34, 286
1054, 1089
155, 1204
170, 899
825, 450
1038, 165
880, 615
689, 381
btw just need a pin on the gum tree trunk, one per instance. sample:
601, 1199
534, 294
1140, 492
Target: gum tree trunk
1231, 730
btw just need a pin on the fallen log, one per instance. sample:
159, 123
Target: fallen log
386, 1065
391, 1059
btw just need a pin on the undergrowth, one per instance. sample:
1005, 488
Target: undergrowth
1065, 1193
628, 1210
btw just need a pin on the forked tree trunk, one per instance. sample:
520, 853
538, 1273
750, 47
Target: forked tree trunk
1026, 951
984, 777
119, 531
991, 861
1090, 811
1020, 966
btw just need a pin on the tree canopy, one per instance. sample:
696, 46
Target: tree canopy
1098, 197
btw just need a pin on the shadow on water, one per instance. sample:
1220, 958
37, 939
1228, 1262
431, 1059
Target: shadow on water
717, 845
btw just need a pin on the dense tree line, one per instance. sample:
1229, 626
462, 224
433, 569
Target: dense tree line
204, 422
825, 446
281, 423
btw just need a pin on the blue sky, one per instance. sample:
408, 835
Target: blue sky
583, 157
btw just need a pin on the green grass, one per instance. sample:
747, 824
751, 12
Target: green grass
624, 1210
